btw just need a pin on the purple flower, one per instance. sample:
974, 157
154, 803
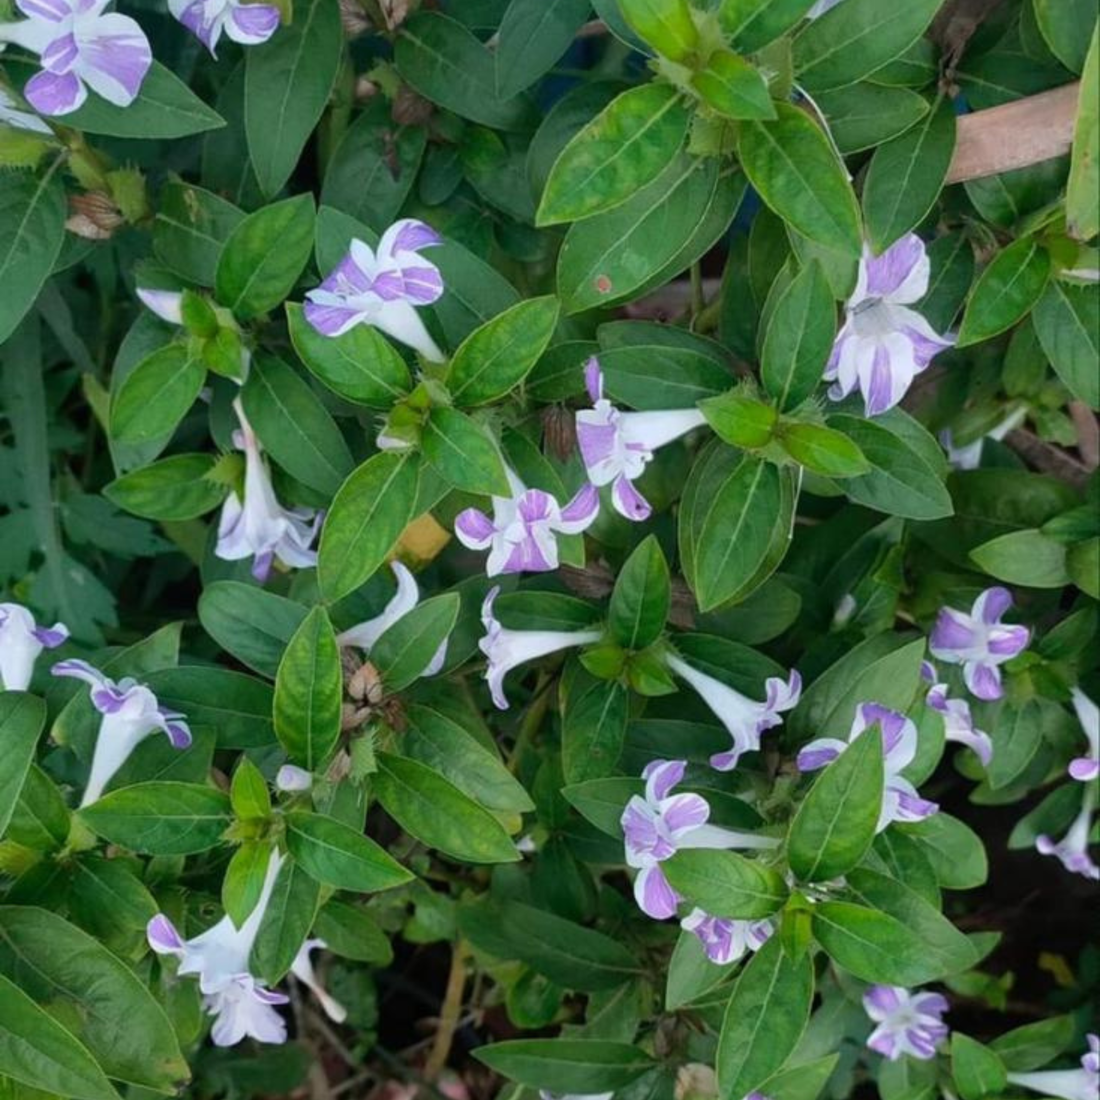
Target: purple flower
745, 718
1068, 1084
21, 641
1085, 768
883, 344
900, 800
382, 288
979, 641
246, 23
404, 600
505, 649
958, 722
79, 47
130, 714
13, 115
521, 536
259, 527
726, 940
658, 825
616, 445
908, 1023
1073, 848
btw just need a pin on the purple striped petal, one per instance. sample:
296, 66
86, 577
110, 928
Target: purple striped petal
163, 937
330, 320
593, 379
51, 636
115, 59
474, 529
251, 24
880, 393
536, 506
886, 273
1007, 641
1084, 769
953, 630
54, 93
580, 511
654, 895
179, 734
661, 776
53, 11
983, 680
991, 605
628, 502
415, 235
60, 54
423, 285
880, 1000
683, 812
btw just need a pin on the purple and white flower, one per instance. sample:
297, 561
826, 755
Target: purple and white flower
883, 344
744, 718
382, 288
908, 1023
724, 939
21, 641
979, 641
900, 800
246, 23
240, 1004
1086, 768
505, 649
1073, 848
1067, 1084
521, 536
13, 115
958, 722
130, 714
659, 824
290, 779
79, 46
259, 527
616, 446
404, 600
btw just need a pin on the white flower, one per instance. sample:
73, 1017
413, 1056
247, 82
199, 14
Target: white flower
21, 641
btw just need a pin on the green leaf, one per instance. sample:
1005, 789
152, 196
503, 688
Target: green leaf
248, 793
361, 366
740, 420
244, 879
22, 718
41, 820
286, 923
755, 23
791, 163
406, 648
156, 396
294, 426
566, 1065
726, 884
764, 1019
1083, 189
309, 690
955, 851
474, 291
842, 47
798, 339
836, 822
235, 708
54, 962
365, 521
977, 1070
339, 856
288, 80
350, 931
438, 814
445, 63
823, 450
594, 717
901, 481
250, 623
32, 230
35, 1050
642, 597
1005, 291
733, 87
864, 115
264, 256
649, 376
175, 488
496, 357
626, 146
533, 35
190, 230
1034, 1045
463, 453
870, 944
666, 25
1026, 557
160, 818
1067, 321
1066, 26
906, 176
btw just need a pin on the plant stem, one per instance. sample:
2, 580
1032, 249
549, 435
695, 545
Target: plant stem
450, 1013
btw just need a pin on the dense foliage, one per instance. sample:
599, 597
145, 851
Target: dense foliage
552, 519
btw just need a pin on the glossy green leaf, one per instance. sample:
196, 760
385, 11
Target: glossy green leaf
864, 115
1067, 322
533, 35
286, 923
1083, 189
1033, 1046
351, 932
977, 1070
174, 488
1067, 27
156, 396
190, 230
337, 855
666, 25
161, 818
22, 718
823, 451
594, 717
1005, 291
642, 596
566, 1065
754, 23
1025, 557
250, 623
740, 420
463, 453
406, 648
733, 87
244, 880
726, 884
955, 851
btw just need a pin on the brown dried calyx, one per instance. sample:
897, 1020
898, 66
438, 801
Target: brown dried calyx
94, 216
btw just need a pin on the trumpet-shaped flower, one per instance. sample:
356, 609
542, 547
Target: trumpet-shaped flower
505, 649
908, 1023
404, 600
240, 1004
883, 344
958, 722
745, 718
1067, 1084
13, 115
521, 536
659, 824
79, 46
1073, 848
130, 714
246, 23
979, 641
1085, 768
259, 527
900, 800
726, 940
616, 446
290, 778
21, 641
382, 288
